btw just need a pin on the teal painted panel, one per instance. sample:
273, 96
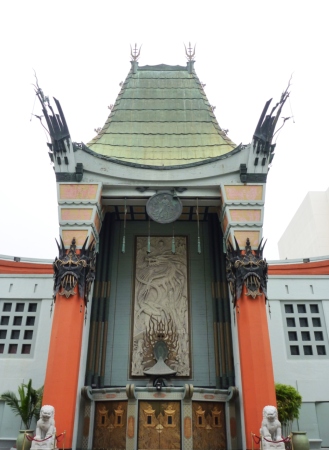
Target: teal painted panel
201, 321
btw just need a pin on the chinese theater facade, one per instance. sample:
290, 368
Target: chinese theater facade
160, 273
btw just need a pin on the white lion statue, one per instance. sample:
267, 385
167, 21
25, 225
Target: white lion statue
45, 431
271, 429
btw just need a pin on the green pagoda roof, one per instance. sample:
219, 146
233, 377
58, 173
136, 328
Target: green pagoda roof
161, 117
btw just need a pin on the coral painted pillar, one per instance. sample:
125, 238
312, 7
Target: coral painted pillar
258, 388
61, 383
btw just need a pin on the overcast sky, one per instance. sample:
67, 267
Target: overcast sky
246, 53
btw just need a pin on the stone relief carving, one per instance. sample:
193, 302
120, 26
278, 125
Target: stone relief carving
161, 305
271, 429
45, 432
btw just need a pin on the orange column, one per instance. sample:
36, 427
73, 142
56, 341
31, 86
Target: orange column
257, 376
62, 372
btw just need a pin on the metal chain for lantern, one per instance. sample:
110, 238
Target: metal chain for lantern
173, 245
198, 221
149, 238
124, 229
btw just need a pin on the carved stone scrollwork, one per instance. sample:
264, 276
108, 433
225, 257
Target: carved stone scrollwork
72, 269
248, 269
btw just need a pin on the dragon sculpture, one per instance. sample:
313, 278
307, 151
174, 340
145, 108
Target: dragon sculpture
248, 269
72, 269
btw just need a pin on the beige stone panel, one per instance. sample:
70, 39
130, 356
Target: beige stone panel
245, 215
79, 235
76, 213
244, 192
242, 236
78, 191
97, 222
225, 223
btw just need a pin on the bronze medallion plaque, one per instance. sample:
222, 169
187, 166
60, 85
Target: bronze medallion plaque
164, 207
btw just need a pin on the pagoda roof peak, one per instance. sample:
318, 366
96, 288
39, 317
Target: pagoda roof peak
161, 117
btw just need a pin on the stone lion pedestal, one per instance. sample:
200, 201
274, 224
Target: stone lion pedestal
45, 434
270, 430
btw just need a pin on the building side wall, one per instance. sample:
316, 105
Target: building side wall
307, 234
17, 369
308, 374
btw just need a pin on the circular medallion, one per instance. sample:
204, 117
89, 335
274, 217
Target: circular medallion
164, 207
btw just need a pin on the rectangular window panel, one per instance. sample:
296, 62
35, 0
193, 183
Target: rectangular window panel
294, 349
321, 349
308, 350
303, 322
4, 320
12, 348
28, 334
30, 320
14, 334
316, 322
301, 309
318, 335
291, 322
305, 329
306, 336
3, 334
314, 309
292, 335
17, 334
26, 349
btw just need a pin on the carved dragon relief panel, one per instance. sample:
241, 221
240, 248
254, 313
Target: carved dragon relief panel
161, 304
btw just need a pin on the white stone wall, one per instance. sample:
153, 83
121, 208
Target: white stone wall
307, 234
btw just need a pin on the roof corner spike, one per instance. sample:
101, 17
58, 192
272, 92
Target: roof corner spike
190, 53
135, 53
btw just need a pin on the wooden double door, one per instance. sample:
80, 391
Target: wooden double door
159, 425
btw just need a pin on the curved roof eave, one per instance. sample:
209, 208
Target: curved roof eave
86, 149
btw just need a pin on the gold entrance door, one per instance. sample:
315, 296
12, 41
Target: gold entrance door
159, 425
209, 430
110, 426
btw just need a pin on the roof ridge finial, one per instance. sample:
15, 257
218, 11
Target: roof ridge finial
135, 53
190, 52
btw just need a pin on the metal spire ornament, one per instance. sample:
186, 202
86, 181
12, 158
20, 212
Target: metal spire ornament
198, 221
190, 52
135, 52
123, 250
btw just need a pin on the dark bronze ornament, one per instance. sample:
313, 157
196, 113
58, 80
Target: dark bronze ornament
249, 269
164, 207
72, 269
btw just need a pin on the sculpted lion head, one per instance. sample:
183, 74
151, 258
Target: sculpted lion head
270, 413
47, 412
